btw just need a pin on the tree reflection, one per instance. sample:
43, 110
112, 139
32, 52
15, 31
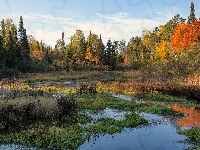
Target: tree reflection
191, 116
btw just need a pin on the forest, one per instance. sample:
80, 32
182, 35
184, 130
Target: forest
172, 48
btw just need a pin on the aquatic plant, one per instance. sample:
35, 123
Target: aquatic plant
193, 134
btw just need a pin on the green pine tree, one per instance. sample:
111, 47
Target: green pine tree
24, 47
110, 55
2, 54
191, 18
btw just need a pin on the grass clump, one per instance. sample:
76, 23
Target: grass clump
193, 134
104, 100
47, 137
110, 125
83, 119
168, 98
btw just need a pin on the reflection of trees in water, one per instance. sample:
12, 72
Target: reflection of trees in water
191, 116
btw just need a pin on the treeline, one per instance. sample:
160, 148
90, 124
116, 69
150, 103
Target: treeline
22, 53
172, 48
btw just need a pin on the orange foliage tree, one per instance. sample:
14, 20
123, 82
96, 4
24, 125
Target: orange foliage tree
177, 38
185, 35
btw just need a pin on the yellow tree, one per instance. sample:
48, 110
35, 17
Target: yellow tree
93, 50
162, 49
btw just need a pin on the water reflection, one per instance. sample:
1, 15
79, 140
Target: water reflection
191, 114
158, 133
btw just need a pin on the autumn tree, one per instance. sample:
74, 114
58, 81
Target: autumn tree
185, 35
134, 50
94, 48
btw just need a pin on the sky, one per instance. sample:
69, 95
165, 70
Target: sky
114, 19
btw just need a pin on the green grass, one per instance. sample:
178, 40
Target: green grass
111, 126
100, 101
168, 98
47, 137
194, 135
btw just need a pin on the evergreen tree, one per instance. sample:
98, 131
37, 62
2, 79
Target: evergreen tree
110, 55
2, 54
2, 45
13, 56
101, 48
24, 47
191, 18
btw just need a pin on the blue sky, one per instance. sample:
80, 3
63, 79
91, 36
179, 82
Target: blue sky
114, 19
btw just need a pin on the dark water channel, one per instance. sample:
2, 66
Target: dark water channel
160, 133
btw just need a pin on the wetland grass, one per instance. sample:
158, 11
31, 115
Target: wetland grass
169, 98
66, 131
194, 135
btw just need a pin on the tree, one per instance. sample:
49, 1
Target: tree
24, 47
10, 45
162, 49
94, 48
177, 38
122, 56
110, 55
149, 41
2, 45
13, 50
77, 48
2, 54
59, 54
134, 50
185, 36
191, 18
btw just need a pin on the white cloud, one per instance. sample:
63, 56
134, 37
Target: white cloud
114, 26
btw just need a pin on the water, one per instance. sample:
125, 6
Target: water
160, 133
